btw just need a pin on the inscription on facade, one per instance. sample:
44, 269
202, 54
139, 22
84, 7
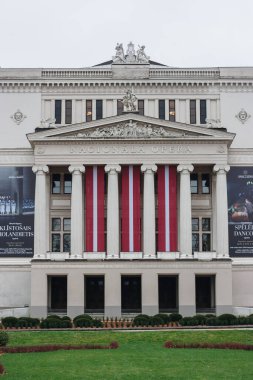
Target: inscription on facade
131, 149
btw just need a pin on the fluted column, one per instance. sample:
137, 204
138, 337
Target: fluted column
77, 207
41, 214
113, 211
149, 238
185, 212
221, 210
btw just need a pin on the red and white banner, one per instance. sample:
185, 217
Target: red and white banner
94, 183
130, 207
167, 208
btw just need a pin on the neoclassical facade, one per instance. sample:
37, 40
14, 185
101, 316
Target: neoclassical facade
126, 188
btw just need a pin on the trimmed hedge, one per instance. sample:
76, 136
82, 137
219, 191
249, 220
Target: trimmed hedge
223, 346
4, 338
56, 347
20, 322
55, 323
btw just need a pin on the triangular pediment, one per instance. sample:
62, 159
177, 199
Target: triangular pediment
130, 126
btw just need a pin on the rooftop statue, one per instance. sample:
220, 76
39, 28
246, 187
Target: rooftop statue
131, 56
129, 101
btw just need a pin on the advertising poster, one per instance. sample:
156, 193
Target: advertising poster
240, 211
17, 190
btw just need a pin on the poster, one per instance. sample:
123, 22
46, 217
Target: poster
17, 190
240, 211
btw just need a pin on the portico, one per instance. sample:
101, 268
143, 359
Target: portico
130, 200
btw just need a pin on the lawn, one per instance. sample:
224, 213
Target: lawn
141, 356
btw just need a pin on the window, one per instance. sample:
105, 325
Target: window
99, 109
131, 294
57, 294
194, 183
205, 293
168, 293
172, 110
200, 183
57, 111
193, 111
201, 234
202, 111
94, 294
162, 109
68, 111
60, 234
120, 107
141, 107
61, 183
88, 110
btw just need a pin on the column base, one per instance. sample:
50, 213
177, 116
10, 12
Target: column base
94, 255
111, 256
185, 256
149, 256
168, 255
222, 256
131, 255
208, 256
77, 256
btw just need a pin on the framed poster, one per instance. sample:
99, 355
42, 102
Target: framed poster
240, 211
17, 191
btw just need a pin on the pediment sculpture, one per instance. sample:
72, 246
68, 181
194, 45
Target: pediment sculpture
131, 56
129, 130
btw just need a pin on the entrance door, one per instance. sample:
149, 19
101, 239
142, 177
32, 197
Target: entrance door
57, 294
205, 294
94, 294
168, 294
131, 294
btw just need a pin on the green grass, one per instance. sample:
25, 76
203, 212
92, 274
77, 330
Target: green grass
140, 356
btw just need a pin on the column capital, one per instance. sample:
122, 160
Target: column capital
113, 169
221, 169
76, 169
147, 168
185, 169
40, 169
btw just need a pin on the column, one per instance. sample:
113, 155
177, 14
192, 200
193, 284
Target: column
75, 293
77, 206
186, 292
185, 222
112, 293
113, 211
149, 288
41, 215
149, 238
221, 210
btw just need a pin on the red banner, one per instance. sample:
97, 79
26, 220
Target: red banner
130, 206
167, 208
94, 183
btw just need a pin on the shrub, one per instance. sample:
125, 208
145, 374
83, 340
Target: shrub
187, 321
164, 317
83, 316
53, 316
9, 322
155, 321
227, 319
212, 321
51, 323
28, 322
66, 318
83, 322
4, 338
175, 317
200, 319
2, 370
141, 320
97, 323
230, 346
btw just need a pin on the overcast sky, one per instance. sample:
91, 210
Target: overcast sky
81, 33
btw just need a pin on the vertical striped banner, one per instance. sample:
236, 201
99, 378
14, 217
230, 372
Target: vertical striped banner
94, 184
130, 208
167, 208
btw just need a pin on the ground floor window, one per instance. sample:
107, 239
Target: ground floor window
131, 294
168, 293
94, 294
205, 293
57, 294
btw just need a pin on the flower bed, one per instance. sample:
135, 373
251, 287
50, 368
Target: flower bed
223, 346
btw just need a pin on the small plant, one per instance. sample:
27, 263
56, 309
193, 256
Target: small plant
175, 317
2, 370
4, 338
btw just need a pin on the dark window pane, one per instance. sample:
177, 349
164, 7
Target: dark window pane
66, 224
99, 109
131, 294
205, 294
88, 110
56, 242
195, 224
162, 109
56, 224
168, 293
206, 242
58, 294
194, 183
193, 111
67, 183
141, 107
56, 184
68, 112
206, 224
119, 107
195, 242
57, 113
202, 111
172, 110
66, 242
94, 294
205, 181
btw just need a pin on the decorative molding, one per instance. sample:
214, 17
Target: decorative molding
18, 117
213, 123
243, 116
185, 169
76, 169
129, 130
